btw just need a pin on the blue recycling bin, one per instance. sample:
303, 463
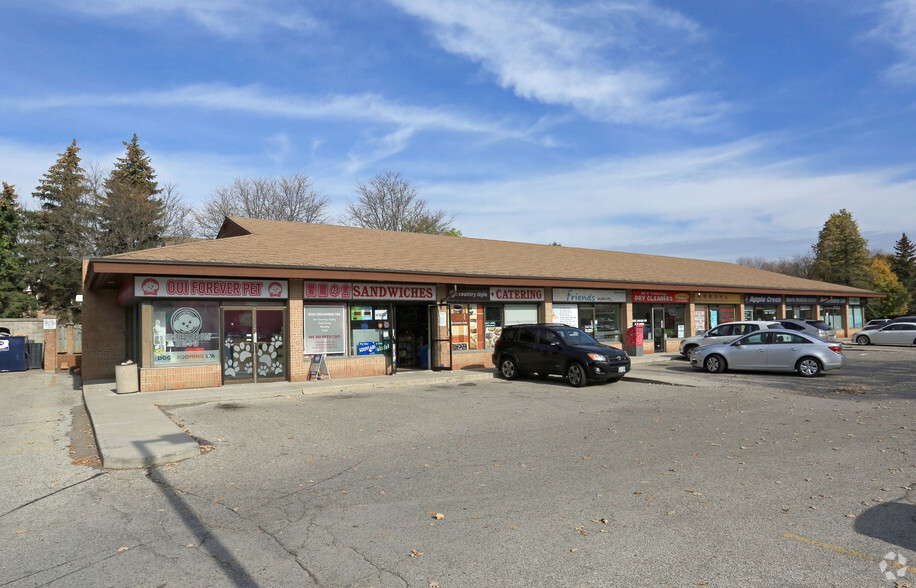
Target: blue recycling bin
424, 357
13, 357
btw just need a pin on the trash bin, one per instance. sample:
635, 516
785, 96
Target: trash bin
127, 378
634, 340
13, 356
424, 357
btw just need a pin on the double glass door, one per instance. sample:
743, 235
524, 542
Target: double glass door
254, 345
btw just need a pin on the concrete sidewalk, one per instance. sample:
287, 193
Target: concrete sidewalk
131, 431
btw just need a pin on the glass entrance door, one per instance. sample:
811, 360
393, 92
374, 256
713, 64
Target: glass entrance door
254, 345
658, 327
587, 320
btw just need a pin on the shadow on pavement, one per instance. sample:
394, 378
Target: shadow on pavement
229, 564
891, 522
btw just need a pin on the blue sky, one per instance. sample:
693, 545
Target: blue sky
711, 129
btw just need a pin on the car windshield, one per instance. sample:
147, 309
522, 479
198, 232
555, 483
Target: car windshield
576, 337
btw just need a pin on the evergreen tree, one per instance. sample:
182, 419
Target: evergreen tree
130, 216
14, 301
884, 280
841, 253
60, 240
904, 265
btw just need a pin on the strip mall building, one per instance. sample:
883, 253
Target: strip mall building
260, 301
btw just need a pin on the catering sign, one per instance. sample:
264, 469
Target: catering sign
655, 296
517, 294
177, 287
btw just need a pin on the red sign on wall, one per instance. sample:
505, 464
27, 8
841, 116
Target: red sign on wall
175, 287
655, 296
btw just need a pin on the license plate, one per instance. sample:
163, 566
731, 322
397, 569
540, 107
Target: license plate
621, 370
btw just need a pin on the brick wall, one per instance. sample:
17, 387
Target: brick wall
178, 378
472, 359
298, 370
104, 334
346, 367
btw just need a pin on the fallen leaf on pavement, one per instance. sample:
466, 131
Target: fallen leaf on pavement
415, 553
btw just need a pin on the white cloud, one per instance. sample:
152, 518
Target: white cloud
716, 203
254, 100
897, 27
228, 18
603, 59
370, 108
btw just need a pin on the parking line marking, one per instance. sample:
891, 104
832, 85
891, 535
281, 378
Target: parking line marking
845, 551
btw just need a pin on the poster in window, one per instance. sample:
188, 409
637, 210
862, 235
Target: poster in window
185, 332
324, 328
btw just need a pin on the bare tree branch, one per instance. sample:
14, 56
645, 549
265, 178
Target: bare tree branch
388, 202
288, 198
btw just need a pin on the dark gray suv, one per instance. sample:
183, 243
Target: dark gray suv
545, 349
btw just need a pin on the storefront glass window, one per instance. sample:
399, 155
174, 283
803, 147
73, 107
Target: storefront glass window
519, 314
856, 317
370, 329
760, 313
804, 311
833, 316
607, 323
493, 324
668, 320
185, 332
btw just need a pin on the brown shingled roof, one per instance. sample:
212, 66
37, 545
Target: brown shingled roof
289, 246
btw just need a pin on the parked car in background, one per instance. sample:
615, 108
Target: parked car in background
772, 350
875, 324
814, 327
889, 334
723, 333
545, 349
904, 319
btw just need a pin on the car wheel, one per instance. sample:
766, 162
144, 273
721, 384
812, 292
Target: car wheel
575, 374
808, 367
508, 368
862, 340
689, 349
714, 364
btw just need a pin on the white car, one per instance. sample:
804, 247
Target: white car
890, 334
724, 333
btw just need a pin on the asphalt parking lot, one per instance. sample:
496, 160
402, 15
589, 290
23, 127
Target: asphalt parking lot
708, 479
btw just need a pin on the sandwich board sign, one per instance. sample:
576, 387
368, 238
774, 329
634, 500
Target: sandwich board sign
318, 367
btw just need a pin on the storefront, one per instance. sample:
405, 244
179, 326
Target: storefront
712, 308
762, 307
832, 312
261, 301
597, 312
800, 307
369, 319
237, 326
477, 315
663, 314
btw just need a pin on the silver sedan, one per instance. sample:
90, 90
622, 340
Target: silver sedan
772, 350
890, 334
